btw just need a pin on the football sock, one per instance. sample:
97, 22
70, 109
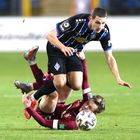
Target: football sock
46, 89
31, 62
85, 75
38, 74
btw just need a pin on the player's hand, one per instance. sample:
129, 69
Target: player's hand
123, 83
81, 55
68, 51
26, 101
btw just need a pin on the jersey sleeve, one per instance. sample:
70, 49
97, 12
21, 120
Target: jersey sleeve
65, 26
65, 124
68, 124
105, 40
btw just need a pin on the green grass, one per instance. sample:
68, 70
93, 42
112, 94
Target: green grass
120, 121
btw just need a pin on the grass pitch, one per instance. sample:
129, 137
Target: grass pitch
120, 121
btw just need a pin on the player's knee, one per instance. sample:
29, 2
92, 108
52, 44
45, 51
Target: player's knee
76, 87
53, 96
59, 84
48, 103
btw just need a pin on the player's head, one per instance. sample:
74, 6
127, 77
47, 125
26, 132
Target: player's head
98, 19
100, 12
100, 102
96, 104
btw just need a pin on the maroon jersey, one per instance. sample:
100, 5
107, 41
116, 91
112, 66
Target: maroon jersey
63, 117
67, 111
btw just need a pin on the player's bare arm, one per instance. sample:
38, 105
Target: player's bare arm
114, 69
52, 37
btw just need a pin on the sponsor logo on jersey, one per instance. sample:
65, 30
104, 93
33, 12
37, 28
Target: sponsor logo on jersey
61, 126
81, 40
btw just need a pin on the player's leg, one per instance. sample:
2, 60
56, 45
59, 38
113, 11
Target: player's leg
75, 80
56, 65
75, 72
64, 93
48, 103
30, 56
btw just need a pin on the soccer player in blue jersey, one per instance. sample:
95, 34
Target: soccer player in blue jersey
69, 37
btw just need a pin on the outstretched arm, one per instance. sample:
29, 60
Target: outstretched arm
53, 124
114, 69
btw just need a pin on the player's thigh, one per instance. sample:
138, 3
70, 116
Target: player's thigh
57, 66
48, 103
75, 72
60, 81
75, 79
64, 93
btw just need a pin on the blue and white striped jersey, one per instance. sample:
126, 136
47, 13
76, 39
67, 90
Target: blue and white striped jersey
74, 32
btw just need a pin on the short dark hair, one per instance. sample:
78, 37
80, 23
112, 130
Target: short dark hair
100, 102
99, 12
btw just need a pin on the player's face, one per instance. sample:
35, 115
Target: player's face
89, 105
97, 24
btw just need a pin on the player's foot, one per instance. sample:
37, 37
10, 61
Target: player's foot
31, 54
25, 88
26, 114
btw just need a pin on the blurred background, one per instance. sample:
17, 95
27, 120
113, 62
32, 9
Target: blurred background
66, 7
24, 22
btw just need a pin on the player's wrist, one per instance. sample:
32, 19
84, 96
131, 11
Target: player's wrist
27, 105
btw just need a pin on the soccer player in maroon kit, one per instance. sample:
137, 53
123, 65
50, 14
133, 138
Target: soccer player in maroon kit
63, 116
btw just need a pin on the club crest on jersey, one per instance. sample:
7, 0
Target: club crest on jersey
93, 36
65, 26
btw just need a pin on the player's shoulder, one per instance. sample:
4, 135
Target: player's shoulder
106, 29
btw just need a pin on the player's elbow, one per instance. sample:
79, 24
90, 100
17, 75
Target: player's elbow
51, 35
